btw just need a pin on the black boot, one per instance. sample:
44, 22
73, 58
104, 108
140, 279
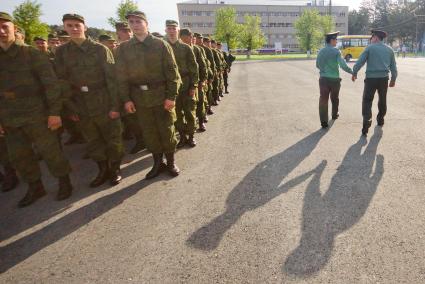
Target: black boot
221, 95
140, 145
10, 179
202, 127
35, 191
182, 141
365, 128
209, 111
102, 176
191, 141
65, 188
158, 166
226, 91
172, 169
335, 116
115, 173
380, 121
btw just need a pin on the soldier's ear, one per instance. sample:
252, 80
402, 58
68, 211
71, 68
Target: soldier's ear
85, 28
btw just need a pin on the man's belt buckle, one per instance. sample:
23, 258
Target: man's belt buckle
84, 89
144, 87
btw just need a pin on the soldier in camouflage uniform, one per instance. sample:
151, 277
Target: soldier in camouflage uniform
53, 42
63, 37
210, 57
217, 78
188, 94
108, 41
88, 69
123, 32
30, 106
187, 37
148, 81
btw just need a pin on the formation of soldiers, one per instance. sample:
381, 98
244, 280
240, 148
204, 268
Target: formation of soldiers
380, 60
146, 86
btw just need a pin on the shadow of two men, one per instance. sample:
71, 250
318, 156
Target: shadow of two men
324, 216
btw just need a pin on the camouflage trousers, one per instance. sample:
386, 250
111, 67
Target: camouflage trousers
216, 88
209, 94
131, 125
103, 136
20, 141
186, 113
4, 157
158, 128
202, 102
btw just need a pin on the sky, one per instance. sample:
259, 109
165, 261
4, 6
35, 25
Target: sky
96, 12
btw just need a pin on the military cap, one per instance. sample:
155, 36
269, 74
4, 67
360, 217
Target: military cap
63, 34
52, 36
332, 35
206, 39
158, 35
73, 17
186, 32
197, 35
6, 17
106, 38
121, 26
218, 42
137, 14
213, 41
171, 23
379, 33
39, 38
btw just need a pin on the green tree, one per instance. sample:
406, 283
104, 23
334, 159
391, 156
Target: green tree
358, 22
251, 36
227, 29
27, 16
311, 28
123, 8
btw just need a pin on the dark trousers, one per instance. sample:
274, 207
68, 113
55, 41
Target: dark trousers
226, 79
371, 85
328, 87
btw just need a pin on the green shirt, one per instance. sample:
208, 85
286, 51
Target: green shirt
186, 62
150, 63
200, 59
87, 71
328, 62
209, 59
29, 88
380, 61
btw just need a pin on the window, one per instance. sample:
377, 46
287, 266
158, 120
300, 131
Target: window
365, 42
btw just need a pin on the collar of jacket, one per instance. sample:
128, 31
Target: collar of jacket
84, 46
148, 40
12, 51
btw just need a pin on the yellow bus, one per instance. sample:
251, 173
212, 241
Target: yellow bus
352, 46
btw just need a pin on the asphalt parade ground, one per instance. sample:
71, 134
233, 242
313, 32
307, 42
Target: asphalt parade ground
267, 196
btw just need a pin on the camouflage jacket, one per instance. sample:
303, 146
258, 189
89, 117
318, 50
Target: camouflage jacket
217, 60
147, 72
210, 57
29, 88
89, 77
186, 61
200, 59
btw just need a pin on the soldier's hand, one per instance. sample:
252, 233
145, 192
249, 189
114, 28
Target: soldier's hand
353, 78
192, 92
74, 117
392, 84
54, 122
114, 114
130, 107
169, 105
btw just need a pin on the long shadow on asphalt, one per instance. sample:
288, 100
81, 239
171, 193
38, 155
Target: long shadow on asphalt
256, 189
15, 220
338, 209
18, 251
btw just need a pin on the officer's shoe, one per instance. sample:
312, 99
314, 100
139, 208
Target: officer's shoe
65, 188
172, 168
35, 191
202, 127
380, 121
226, 91
366, 126
191, 141
209, 112
115, 173
138, 147
182, 141
102, 175
10, 180
158, 166
325, 125
335, 116
221, 95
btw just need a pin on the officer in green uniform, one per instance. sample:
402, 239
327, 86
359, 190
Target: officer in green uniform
218, 67
328, 61
30, 106
123, 32
223, 65
206, 44
42, 45
19, 34
188, 94
53, 42
228, 58
187, 37
88, 69
380, 61
148, 81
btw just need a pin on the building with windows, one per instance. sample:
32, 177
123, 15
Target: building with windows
277, 17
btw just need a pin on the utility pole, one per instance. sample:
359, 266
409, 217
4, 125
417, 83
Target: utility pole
330, 7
